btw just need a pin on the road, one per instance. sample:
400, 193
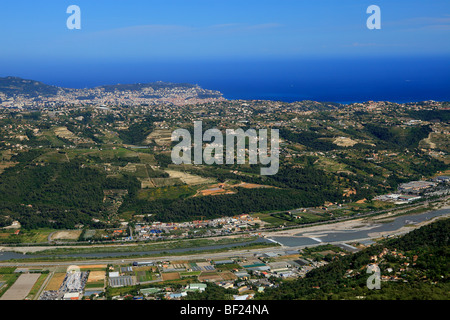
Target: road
246, 253
212, 256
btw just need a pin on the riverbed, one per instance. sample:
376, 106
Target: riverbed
356, 230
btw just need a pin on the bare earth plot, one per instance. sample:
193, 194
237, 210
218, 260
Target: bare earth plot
189, 179
94, 266
210, 276
56, 282
95, 276
63, 132
170, 276
7, 164
344, 142
66, 235
227, 276
161, 137
20, 289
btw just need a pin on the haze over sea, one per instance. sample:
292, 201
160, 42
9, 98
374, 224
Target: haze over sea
342, 80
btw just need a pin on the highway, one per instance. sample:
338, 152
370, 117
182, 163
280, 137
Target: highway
200, 255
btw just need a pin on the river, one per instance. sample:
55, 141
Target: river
306, 238
5, 256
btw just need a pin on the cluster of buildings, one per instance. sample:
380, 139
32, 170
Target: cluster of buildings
246, 275
136, 96
416, 187
413, 190
220, 226
395, 271
72, 287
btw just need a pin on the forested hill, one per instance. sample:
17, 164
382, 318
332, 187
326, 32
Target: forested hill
11, 86
414, 266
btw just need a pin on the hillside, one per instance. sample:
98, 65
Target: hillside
13, 86
414, 266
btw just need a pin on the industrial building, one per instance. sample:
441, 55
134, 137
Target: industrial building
416, 186
121, 281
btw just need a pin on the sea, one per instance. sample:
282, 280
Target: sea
338, 79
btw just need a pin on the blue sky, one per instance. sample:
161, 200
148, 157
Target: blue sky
201, 40
192, 29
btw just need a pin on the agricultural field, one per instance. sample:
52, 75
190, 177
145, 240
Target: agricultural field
160, 137
228, 276
331, 165
25, 236
93, 267
147, 158
64, 133
52, 138
170, 276
95, 276
171, 192
56, 281
5, 157
144, 275
188, 178
344, 142
36, 287
190, 274
66, 235
53, 157
228, 188
21, 287
227, 267
7, 278
267, 218
88, 234
210, 276
161, 182
103, 155
96, 279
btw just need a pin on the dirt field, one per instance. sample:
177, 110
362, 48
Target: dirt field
20, 289
94, 266
224, 188
344, 142
147, 184
95, 276
170, 276
4, 165
130, 167
188, 178
227, 275
160, 136
139, 269
211, 192
63, 132
252, 185
161, 182
210, 276
66, 235
55, 281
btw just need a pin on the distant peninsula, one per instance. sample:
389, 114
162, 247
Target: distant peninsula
23, 93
